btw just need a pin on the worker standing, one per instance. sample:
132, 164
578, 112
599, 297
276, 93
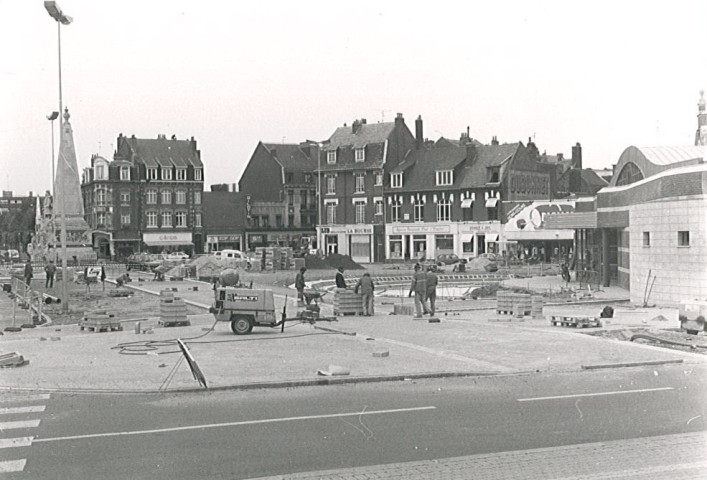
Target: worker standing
340, 280
28, 273
50, 270
299, 285
419, 287
365, 286
431, 288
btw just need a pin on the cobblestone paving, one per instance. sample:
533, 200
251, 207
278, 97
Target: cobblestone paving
673, 457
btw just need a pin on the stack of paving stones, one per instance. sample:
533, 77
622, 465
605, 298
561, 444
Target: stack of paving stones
400, 309
347, 302
285, 257
536, 306
516, 304
100, 321
173, 310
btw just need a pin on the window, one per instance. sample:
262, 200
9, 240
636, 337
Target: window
278, 221
125, 219
152, 219
197, 219
100, 172
180, 219
181, 197
396, 180
265, 221
181, 174
492, 212
290, 220
331, 156
166, 197
289, 177
360, 182
330, 213
197, 198
494, 173
307, 178
256, 221
443, 210
646, 239
360, 154
379, 207
379, 179
360, 212
152, 173
330, 184
101, 219
290, 197
445, 177
100, 197
303, 199
444, 242
125, 196
166, 173
125, 173
166, 219
396, 246
684, 238
198, 174
395, 212
419, 211
151, 196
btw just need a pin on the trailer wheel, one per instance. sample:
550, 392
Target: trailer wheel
241, 325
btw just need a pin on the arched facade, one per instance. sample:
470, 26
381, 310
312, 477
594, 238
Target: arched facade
637, 163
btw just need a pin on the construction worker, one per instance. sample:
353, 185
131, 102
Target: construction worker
340, 280
299, 285
50, 270
123, 279
366, 287
431, 288
28, 273
419, 287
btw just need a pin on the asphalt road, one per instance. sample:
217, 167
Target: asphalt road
246, 434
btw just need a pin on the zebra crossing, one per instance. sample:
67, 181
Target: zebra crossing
13, 405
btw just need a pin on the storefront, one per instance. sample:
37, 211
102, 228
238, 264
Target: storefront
298, 241
477, 238
223, 242
353, 240
526, 235
168, 242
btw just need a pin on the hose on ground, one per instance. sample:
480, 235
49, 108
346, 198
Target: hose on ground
643, 336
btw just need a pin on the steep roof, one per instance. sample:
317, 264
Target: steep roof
592, 178
475, 175
166, 152
291, 156
366, 134
425, 163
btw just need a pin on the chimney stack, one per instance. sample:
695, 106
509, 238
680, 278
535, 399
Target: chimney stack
494, 140
399, 120
419, 139
355, 126
577, 156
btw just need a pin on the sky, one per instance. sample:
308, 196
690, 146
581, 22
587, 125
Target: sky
607, 74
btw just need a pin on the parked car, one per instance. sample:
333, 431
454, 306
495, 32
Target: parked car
447, 259
177, 256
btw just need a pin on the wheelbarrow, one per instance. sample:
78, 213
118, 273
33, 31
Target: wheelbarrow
312, 295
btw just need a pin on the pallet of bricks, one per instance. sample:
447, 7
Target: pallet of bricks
347, 302
100, 321
285, 257
256, 261
271, 259
173, 310
510, 303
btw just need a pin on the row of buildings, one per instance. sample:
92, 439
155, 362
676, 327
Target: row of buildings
375, 192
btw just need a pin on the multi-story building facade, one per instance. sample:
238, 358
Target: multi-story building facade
17, 220
148, 198
224, 218
453, 198
279, 186
353, 173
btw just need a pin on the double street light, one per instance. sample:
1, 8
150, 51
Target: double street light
61, 19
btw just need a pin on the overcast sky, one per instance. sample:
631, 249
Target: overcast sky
605, 74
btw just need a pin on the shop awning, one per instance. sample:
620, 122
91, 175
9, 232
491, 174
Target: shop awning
166, 243
467, 238
491, 202
491, 237
467, 202
545, 234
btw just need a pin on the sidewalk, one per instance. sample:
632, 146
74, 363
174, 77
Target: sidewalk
382, 347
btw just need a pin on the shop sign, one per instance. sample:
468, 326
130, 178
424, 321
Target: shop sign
167, 237
420, 229
532, 217
479, 228
349, 229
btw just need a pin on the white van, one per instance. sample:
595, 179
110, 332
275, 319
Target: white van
236, 255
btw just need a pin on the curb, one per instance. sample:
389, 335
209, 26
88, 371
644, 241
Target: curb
631, 364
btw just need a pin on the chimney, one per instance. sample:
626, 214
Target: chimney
494, 140
470, 153
419, 140
174, 137
577, 156
399, 120
161, 136
363, 121
355, 126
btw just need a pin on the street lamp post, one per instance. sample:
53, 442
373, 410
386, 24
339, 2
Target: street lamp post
61, 19
51, 118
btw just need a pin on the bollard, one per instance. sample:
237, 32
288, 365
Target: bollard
137, 327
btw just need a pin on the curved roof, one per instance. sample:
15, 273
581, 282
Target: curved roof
647, 161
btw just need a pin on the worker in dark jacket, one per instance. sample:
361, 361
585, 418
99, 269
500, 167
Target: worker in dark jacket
431, 288
340, 281
299, 285
365, 286
419, 287
28, 273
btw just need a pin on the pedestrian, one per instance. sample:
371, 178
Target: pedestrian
103, 277
28, 273
340, 281
123, 279
299, 285
431, 288
419, 287
50, 270
365, 286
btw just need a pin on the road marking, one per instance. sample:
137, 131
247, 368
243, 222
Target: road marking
597, 394
234, 424
20, 424
12, 466
15, 442
24, 398
32, 409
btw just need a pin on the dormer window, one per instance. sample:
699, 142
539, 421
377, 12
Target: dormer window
100, 172
396, 180
152, 173
445, 177
166, 173
494, 175
331, 156
125, 173
198, 174
360, 154
181, 174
